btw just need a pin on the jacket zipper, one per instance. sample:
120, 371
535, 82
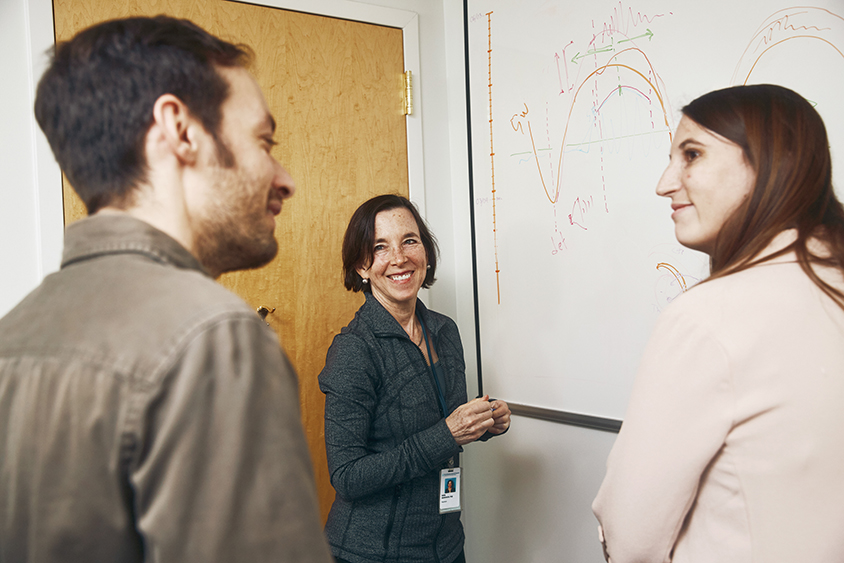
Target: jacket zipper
393, 506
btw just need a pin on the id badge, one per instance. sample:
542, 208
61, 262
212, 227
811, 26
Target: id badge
450, 490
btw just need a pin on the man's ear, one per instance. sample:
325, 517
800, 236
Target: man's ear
177, 127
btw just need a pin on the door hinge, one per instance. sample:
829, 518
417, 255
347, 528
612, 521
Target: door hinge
408, 93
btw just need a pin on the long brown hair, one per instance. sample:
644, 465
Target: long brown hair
784, 140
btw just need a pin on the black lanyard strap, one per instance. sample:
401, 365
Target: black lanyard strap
440, 394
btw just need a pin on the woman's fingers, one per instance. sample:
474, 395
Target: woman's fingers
471, 420
500, 416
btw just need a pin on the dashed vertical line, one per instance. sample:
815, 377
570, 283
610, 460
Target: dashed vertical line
597, 116
550, 158
651, 78
603, 176
599, 124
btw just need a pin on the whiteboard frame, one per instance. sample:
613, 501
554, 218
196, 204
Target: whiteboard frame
569, 418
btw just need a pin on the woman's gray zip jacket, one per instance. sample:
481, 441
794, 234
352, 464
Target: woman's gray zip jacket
387, 439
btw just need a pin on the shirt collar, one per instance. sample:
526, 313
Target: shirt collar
101, 235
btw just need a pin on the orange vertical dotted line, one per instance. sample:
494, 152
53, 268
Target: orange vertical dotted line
492, 155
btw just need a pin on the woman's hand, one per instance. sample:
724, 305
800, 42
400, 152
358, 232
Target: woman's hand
470, 421
500, 417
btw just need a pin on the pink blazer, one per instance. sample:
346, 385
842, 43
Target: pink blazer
732, 448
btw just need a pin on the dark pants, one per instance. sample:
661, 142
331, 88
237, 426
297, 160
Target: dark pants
460, 559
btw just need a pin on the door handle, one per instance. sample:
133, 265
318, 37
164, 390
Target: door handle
263, 312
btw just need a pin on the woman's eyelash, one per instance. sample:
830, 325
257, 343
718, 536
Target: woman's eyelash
691, 154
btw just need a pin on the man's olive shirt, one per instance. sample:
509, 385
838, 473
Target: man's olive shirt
148, 414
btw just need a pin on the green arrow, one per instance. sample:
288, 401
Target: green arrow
648, 33
592, 52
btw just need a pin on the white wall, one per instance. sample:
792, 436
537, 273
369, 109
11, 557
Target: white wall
527, 494
530, 494
18, 238
30, 220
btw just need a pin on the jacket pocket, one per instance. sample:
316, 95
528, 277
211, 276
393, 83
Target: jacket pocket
389, 529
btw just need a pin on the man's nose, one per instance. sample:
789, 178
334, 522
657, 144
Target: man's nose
283, 182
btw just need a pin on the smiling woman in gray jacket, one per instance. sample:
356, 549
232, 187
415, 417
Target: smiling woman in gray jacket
396, 410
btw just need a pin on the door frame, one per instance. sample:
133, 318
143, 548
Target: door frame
47, 174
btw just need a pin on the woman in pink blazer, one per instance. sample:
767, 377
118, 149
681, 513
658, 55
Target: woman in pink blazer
732, 448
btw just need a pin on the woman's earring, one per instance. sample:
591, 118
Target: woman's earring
365, 281
429, 266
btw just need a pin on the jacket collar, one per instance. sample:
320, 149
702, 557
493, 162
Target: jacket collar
383, 324
102, 235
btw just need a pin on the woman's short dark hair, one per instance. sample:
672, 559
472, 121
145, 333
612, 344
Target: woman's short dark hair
785, 142
95, 101
359, 241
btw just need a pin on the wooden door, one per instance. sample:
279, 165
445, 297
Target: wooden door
334, 87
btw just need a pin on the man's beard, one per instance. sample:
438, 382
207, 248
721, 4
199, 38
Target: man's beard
235, 237
222, 251
229, 238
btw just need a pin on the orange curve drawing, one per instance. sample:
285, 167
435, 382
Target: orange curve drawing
675, 272
797, 22
599, 71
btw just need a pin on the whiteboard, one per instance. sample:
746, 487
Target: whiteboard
572, 109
